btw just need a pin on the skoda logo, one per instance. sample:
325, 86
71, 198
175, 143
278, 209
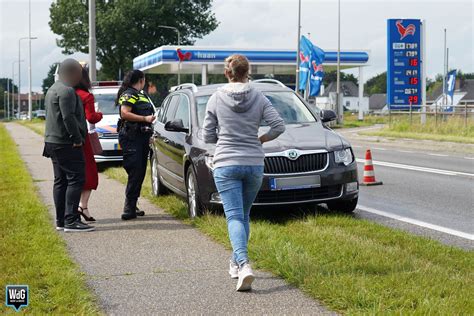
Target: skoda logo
293, 154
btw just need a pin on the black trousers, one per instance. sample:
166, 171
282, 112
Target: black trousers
136, 151
69, 178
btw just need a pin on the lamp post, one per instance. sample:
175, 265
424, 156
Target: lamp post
13, 88
179, 43
339, 112
19, 68
92, 42
297, 83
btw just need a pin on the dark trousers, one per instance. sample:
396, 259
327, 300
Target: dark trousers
135, 159
69, 177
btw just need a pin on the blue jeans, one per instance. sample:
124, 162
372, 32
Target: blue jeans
238, 186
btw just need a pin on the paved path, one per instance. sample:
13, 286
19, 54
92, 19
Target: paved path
157, 264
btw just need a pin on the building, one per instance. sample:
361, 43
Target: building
378, 103
463, 95
36, 99
350, 97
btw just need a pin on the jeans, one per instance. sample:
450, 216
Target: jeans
238, 186
69, 178
135, 159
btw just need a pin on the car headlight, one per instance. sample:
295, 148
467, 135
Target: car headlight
343, 156
209, 162
100, 135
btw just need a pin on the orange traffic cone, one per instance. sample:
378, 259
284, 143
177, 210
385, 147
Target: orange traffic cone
369, 174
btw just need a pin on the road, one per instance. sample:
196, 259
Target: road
420, 185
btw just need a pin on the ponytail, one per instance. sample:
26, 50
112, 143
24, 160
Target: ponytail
131, 78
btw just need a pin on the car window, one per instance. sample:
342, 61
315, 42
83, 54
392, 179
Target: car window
170, 109
182, 111
162, 109
105, 103
287, 104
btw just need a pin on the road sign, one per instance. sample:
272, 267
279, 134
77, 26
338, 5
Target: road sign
404, 52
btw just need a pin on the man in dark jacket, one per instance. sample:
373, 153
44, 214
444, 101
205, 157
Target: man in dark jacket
64, 136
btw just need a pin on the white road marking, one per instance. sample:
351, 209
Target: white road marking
417, 168
378, 148
405, 151
438, 155
470, 158
417, 222
356, 146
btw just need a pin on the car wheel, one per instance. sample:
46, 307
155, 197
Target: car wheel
194, 203
346, 206
157, 186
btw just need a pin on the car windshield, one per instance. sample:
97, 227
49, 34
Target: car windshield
288, 105
105, 103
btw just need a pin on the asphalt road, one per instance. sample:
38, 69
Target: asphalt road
434, 187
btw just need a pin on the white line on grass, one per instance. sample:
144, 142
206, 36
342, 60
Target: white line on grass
417, 222
417, 168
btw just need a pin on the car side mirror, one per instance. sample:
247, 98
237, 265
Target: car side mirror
328, 115
176, 126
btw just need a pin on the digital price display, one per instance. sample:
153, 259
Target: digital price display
404, 64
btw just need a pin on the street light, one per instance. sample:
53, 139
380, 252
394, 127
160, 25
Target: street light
19, 69
12, 89
179, 43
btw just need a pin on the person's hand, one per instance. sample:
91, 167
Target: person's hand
263, 139
149, 118
77, 145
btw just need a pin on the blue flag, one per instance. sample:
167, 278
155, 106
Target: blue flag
451, 83
311, 66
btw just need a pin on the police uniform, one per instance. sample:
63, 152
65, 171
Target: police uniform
134, 139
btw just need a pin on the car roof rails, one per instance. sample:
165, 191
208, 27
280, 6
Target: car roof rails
274, 81
191, 86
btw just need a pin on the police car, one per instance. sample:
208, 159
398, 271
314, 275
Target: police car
105, 93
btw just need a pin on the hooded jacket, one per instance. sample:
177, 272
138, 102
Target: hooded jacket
233, 116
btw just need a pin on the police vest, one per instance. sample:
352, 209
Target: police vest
138, 101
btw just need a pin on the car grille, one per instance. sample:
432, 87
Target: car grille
304, 163
109, 135
282, 196
111, 153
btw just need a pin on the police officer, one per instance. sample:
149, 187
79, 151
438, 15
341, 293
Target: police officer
135, 129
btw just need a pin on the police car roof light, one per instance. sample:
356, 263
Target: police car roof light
274, 81
191, 86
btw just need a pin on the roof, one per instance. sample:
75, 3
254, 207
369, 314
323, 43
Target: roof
165, 59
348, 88
467, 86
377, 101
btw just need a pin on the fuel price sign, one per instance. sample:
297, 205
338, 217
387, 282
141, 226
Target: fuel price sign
404, 63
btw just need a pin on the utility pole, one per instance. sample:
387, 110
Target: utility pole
339, 112
179, 44
445, 70
19, 75
6, 115
30, 105
298, 61
92, 42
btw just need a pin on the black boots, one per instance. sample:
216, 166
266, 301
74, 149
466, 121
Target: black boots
130, 210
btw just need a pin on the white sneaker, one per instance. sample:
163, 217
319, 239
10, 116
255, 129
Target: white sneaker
246, 278
233, 269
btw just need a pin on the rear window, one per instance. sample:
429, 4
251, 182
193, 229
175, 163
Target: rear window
287, 104
105, 103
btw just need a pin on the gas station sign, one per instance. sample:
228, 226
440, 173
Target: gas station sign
404, 62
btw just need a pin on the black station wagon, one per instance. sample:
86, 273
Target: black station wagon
308, 163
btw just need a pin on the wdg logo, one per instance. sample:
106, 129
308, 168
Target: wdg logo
16, 296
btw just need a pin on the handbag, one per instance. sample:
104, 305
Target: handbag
95, 143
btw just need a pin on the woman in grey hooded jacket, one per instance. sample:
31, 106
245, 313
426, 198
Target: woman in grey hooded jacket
232, 121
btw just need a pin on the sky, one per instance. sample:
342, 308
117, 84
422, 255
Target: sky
271, 24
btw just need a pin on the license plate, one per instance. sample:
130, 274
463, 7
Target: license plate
117, 146
292, 183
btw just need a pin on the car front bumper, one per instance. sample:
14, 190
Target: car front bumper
111, 150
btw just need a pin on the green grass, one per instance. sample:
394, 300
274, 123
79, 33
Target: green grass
37, 125
351, 265
451, 129
31, 252
351, 120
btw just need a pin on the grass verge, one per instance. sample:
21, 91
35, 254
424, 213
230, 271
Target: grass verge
31, 251
450, 129
352, 266
36, 125
351, 120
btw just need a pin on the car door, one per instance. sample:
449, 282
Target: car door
177, 141
161, 139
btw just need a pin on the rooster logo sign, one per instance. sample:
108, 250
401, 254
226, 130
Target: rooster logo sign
410, 29
183, 56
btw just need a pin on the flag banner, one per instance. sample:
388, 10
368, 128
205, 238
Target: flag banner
311, 66
450, 84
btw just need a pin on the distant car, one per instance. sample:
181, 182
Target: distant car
23, 116
41, 114
105, 93
309, 163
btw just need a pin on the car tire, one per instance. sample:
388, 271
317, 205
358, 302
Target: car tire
345, 206
194, 203
157, 187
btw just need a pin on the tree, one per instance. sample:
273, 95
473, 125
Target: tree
126, 29
377, 84
49, 80
331, 76
4, 85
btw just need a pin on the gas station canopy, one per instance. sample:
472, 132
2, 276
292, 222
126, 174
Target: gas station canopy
210, 60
